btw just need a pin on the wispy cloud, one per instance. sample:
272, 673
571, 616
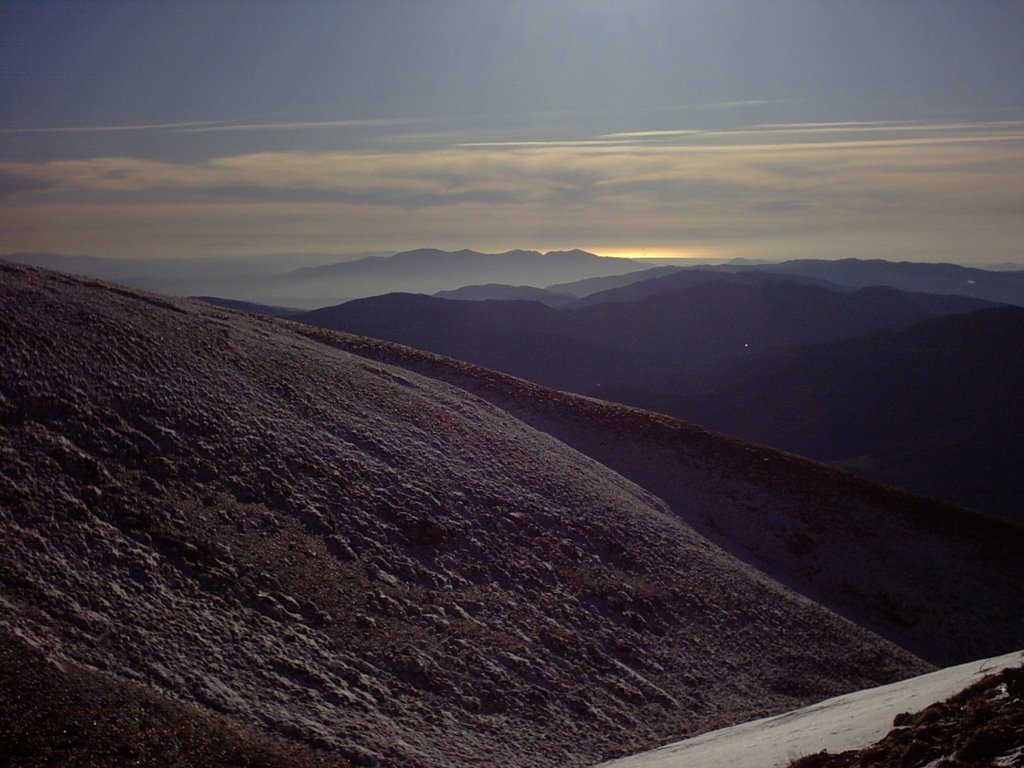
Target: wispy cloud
598, 142
218, 126
655, 133
938, 187
191, 125
556, 171
956, 130
303, 125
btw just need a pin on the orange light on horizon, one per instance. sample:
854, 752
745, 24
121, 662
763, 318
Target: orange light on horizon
656, 253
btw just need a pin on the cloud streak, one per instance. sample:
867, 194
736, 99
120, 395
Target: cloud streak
792, 136
938, 189
192, 125
955, 130
226, 126
540, 170
304, 125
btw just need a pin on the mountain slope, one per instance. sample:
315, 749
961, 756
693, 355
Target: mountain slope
677, 322
501, 292
524, 337
228, 513
66, 713
248, 306
719, 351
680, 281
589, 285
944, 398
937, 579
1000, 286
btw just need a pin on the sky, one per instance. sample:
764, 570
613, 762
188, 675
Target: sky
735, 128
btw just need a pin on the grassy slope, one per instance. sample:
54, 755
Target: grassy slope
940, 580
235, 516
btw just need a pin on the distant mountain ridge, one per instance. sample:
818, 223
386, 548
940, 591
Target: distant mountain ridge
733, 353
677, 282
269, 280
589, 285
1005, 286
936, 407
502, 292
681, 320
321, 279
429, 270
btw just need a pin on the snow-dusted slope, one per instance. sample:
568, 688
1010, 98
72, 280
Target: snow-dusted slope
939, 580
222, 513
848, 722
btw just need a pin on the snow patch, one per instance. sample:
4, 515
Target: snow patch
853, 721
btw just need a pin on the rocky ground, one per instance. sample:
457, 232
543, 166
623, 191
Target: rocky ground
72, 715
216, 520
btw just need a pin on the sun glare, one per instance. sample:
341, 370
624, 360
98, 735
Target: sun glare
655, 253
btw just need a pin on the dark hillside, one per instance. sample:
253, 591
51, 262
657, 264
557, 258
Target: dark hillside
678, 280
1000, 286
500, 292
670, 328
938, 579
735, 355
204, 509
63, 713
936, 408
535, 341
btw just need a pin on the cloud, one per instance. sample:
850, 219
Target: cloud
938, 189
609, 141
297, 125
194, 125
927, 167
828, 132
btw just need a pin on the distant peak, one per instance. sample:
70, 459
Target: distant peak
422, 252
573, 252
519, 252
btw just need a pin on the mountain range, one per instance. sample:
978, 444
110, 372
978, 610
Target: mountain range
838, 374
1004, 286
936, 408
502, 292
676, 322
323, 279
238, 540
428, 270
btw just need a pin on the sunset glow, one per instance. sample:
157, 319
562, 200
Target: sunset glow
658, 253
